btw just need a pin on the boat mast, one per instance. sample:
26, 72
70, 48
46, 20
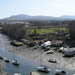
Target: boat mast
59, 61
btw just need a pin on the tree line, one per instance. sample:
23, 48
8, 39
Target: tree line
14, 31
18, 31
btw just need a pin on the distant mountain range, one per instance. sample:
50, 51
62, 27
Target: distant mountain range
27, 17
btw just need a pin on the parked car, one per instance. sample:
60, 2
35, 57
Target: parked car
51, 60
37, 46
50, 51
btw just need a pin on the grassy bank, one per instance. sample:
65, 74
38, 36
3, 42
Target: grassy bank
48, 30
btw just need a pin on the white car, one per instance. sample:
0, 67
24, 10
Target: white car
50, 51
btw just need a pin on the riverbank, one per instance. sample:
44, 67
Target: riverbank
37, 54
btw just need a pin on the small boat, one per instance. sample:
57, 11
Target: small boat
17, 74
50, 51
60, 72
51, 60
1, 57
15, 62
7, 60
43, 68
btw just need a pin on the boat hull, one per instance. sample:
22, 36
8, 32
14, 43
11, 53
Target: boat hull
43, 70
15, 63
7, 60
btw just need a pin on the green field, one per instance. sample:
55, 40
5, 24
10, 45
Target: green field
48, 30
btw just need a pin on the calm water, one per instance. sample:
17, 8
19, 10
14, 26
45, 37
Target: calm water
26, 66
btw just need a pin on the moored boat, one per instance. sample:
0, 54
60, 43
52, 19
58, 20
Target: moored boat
17, 74
15, 62
43, 68
60, 72
7, 60
1, 57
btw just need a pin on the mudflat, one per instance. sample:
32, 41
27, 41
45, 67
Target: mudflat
39, 55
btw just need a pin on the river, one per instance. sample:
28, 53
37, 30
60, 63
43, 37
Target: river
26, 65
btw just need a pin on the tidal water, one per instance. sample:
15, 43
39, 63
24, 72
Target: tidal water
26, 65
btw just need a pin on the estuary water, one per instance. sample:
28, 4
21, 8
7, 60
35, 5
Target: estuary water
26, 65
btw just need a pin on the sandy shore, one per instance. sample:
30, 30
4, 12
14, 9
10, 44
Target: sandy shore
38, 54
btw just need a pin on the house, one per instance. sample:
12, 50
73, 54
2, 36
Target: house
46, 44
69, 52
57, 43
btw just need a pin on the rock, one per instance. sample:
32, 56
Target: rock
34, 73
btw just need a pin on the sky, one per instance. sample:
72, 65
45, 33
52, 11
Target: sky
53, 8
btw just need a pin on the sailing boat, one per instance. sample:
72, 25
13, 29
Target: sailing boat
43, 68
15, 62
1, 57
7, 59
17, 74
60, 72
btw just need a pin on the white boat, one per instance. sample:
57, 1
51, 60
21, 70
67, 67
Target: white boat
7, 60
1, 57
60, 72
17, 74
43, 68
50, 51
15, 62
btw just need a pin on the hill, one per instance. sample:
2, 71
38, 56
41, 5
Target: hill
40, 17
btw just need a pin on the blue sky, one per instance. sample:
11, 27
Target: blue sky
54, 8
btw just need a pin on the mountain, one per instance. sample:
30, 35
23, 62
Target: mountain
68, 17
40, 17
20, 16
27, 17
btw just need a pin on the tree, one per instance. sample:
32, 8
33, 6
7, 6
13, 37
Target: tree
34, 31
71, 30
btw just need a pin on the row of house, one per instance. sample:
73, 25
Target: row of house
57, 43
